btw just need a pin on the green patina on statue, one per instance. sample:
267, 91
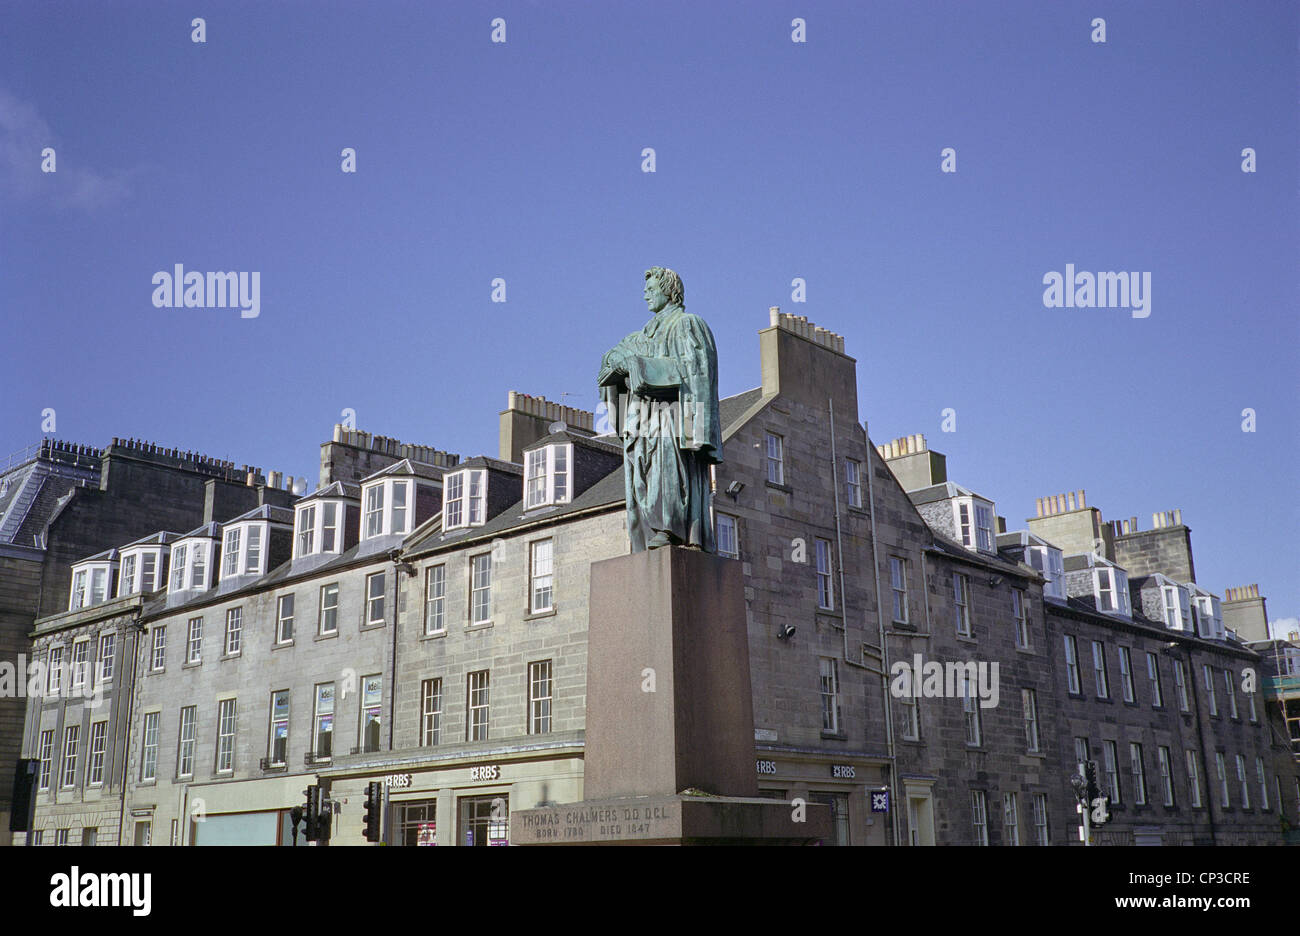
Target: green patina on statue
659, 393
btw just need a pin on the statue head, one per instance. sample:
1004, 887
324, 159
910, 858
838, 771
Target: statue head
662, 287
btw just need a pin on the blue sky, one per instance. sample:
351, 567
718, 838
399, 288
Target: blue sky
774, 160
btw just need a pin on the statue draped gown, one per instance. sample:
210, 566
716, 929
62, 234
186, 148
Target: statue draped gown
666, 412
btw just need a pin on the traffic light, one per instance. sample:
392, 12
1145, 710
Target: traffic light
374, 802
311, 812
1090, 775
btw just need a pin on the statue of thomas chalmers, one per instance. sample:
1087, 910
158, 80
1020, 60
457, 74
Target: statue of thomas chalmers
659, 389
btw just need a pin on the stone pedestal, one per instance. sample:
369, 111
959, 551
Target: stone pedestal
669, 753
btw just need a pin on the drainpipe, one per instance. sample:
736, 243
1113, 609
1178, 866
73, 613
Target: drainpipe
138, 626
1200, 737
884, 650
839, 542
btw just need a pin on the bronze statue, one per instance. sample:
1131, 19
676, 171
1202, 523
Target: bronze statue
659, 393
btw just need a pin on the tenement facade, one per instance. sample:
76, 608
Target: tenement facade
421, 620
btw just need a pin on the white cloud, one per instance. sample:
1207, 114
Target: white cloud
1279, 628
23, 134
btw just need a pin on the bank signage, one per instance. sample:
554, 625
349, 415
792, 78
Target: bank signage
486, 772
397, 781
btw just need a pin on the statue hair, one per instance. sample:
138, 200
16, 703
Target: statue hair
669, 282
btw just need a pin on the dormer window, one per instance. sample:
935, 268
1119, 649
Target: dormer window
90, 585
242, 550
974, 519
180, 565
1048, 561
1178, 614
1210, 618
1110, 586
199, 564
230, 565
140, 572
190, 565
316, 529
387, 508
546, 475
465, 499
305, 542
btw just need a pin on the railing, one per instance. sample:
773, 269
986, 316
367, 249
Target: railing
266, 764
22, 456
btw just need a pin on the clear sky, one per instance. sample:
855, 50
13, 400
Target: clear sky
774, 160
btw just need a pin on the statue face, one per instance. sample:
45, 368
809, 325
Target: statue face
654, 295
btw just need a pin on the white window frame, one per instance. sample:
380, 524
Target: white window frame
1176, 608
227, 722
1208, 673
1166, 774
1010, 819
79, 662
1180, 685
105, 654
853, 481
909, 713
1126, 674
825, 574
180, 567
149, 748
980, 816
1115, 587
304, 530
462, 506
71, 743
194, 640
1263, 782
95, 753
1244, 781
1101, 676
1221, 766
541, 696
323, 714
127, 581
728, 542
372, 710
158, 648
435, 599
1137, 767
1230, 690
774, 451
375, 603
250, 541
478, 705
382, 519
234, 642
186, 735
1049, 563
1110, 761
1020, 612
200, 553
45, 753
970, 704
320, 619
898, 586
828, 681
1041, 832
276, 721
1029, 705
545, 481
480, 589
430, 711
281, 619
80, 589
541, 576
1074, 678
1153, 674
961, 603
1193, 779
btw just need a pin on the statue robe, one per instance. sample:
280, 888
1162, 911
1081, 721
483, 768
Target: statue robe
666, 411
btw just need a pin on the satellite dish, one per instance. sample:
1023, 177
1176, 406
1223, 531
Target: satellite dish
300, 486
558, 426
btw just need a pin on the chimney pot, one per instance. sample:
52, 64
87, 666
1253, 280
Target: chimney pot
1071, 500
1083, 503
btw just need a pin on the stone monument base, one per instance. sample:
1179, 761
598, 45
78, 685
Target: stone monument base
673, 820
